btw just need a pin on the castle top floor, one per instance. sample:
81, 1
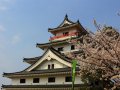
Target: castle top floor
66, 30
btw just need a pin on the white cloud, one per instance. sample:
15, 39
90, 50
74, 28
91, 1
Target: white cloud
2, 28
4, 4
16, 39
3, 8
2, 36
7, 0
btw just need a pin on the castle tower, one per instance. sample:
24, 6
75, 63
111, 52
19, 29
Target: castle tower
52, 70
61, 34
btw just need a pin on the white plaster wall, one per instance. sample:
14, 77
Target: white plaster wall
44, 80
15, 81
49, 56
44, 64
66, 48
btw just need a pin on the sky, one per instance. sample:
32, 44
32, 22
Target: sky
23, 23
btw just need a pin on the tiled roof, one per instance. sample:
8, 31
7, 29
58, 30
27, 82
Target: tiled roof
61, 55
66, 24
65, 19
57, 53
40, 71
63, 27
51, 43
31, 60
43, 86
35, 59
63, 24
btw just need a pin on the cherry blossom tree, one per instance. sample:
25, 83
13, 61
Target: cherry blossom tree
99, 56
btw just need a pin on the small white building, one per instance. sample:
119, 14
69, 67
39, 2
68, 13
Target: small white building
52, 70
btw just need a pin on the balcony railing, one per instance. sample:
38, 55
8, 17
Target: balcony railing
63, 36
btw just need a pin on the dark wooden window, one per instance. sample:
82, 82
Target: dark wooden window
22, 80
36, 80
52, 66
51, 79
66, 33
72, 47
48, 66
68, 79
60, 49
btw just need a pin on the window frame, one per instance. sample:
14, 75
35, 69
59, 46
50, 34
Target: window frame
52, 66
68, 79
51, 81
35, 80
22, 81
49, 66
65, 33
60, 49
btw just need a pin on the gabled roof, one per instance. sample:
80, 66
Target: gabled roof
52, 43
45, 87
41, 72
66, 22
31, 60
65, 25
30, 70
53, 54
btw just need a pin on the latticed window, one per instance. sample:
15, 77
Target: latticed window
48, 66
68, 79
36, 80
66, 33
52, 66
51, 79
22, 80
60, 49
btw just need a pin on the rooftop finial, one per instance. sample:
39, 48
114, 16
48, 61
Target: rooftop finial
66, 17
78, 21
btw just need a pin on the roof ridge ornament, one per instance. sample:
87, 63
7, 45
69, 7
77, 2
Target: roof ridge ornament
66, 23
66, 17
48, 58
78, 21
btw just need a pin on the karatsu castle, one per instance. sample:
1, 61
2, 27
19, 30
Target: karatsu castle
52, 69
